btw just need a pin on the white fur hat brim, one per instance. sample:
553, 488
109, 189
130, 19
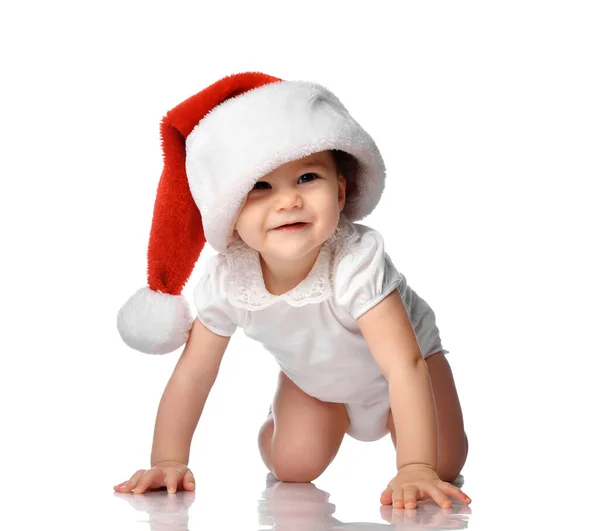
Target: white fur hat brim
248, 136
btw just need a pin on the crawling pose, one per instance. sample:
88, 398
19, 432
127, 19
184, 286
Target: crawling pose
274, 175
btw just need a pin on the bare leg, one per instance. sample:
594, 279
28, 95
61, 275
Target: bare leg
302, 435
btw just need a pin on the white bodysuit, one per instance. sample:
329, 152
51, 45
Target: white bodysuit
312, 330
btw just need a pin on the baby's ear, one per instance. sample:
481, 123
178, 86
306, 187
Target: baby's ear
341, 191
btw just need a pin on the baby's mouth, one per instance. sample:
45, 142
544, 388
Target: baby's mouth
292, 225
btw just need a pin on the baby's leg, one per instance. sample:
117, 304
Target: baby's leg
302, 435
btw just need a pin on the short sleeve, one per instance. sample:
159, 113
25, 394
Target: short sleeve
365, 275
210, 298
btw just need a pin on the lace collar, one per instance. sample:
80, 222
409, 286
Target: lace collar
246, 285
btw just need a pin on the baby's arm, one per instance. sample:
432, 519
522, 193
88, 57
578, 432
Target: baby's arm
179, 412
392, 341
186, 393
393, 344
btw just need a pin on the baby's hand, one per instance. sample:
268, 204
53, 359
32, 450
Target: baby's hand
170, 474
419, 482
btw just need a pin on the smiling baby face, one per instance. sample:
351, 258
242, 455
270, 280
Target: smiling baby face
295, 208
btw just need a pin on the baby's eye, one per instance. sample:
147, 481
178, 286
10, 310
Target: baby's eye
311, 177
261, 185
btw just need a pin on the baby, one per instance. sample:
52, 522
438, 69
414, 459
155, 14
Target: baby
274, 175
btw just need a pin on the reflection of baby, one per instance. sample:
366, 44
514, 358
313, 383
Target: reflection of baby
295, 506
291, 507
165, 513
302, 506
274, 175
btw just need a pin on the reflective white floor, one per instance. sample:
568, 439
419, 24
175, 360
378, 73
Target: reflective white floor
288, 506
285, 506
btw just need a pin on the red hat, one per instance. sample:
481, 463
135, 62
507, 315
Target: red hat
216, 145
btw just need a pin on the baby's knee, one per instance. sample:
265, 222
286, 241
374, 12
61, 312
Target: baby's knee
298, 461
295, 468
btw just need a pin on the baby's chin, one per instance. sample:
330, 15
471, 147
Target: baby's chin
289, 250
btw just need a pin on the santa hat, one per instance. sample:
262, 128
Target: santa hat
216, 146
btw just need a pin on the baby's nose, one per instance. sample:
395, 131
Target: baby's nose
288, 199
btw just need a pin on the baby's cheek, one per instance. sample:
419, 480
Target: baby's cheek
245, 221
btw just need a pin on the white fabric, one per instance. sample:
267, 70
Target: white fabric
246, 137
312, 330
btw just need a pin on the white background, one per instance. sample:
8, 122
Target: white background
488, 117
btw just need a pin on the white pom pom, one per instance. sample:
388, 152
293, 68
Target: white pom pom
153, 322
